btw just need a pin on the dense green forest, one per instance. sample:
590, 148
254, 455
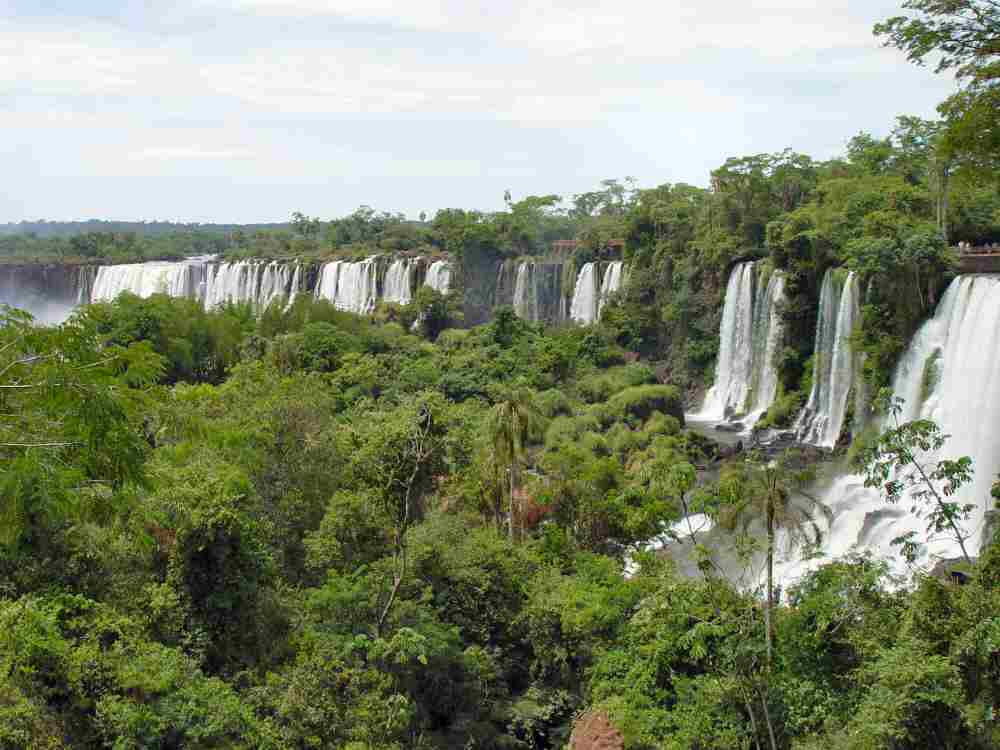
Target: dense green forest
299, 528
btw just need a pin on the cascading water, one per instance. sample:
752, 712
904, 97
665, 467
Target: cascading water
398, 284
612, 283
252, 282
949, 374
768, 332
296, 286
352, 287
585, 296
524, 293
746, 380
182, 279
835, 367
439, 276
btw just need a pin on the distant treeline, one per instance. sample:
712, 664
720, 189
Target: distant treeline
47, 229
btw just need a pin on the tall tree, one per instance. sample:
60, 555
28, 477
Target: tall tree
772, 492
512, 422
963, 36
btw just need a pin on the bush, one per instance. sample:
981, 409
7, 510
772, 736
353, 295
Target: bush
554, 403
641, 401
782, 413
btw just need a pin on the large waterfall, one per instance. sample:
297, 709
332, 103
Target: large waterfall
258, 283
950, 374
352, 287
835, 367
750, 334
255, 282
183, 279
360, 285
398, 286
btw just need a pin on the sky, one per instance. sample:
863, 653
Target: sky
248, 110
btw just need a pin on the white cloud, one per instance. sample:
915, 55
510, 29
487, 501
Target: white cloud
337, 92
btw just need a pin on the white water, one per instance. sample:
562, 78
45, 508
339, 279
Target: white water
768, 331
524, 293
590, 293
296, 286
181, 279
352, 287
585, 296
961, 346
255, 282
750, 334
398, 284
439, 276
834, 366
732, 372
611, 284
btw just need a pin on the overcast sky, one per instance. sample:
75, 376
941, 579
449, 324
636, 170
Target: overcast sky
247, 110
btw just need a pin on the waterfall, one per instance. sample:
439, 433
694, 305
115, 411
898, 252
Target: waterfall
949, 374
258, 283
585, 296
247, 281
834, 365
768, 331
439, 276
180, 279
751, 332
352, 287
296, 286
398, 284
48, 292
611, 284
525, 303
732, 372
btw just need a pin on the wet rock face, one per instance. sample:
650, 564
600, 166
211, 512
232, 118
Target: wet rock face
594, 731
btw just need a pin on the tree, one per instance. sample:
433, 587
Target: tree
398, 455
965, 34
304, 226
511, 423
68, 428
900, 463
964, 37
773, 492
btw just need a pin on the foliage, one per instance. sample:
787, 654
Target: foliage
902, 463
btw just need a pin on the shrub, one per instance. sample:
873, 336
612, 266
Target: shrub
641, 401
782, 412
554, 403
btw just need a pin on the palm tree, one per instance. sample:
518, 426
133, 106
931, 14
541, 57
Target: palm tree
512, 421
775, 492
